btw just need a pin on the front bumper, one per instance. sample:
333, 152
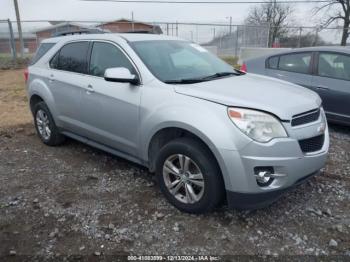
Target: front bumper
260, 200
284, 155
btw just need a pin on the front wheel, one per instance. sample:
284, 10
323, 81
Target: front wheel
189, 176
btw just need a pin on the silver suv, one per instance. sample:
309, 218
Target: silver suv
210, 133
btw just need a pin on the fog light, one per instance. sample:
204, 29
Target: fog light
263, 178
263, 175
266, 175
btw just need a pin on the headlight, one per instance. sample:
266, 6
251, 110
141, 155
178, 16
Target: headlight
258, 125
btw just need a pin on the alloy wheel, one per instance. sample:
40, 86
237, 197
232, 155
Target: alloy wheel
43, 124
183, 178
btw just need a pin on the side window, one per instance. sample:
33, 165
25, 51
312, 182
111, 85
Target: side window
298, 63
105, 55
334, 65
54, 61
272, 62
73, 57
42, 50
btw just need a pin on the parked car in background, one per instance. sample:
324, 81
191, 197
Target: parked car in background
325, 70
209, 132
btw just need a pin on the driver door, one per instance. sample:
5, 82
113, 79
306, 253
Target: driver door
110, 109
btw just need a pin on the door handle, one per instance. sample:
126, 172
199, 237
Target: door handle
90, 89
322, 88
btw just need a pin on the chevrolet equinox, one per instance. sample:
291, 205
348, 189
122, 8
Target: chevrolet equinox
210, 133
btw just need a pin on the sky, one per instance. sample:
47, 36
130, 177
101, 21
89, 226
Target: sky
77, 10
84, 10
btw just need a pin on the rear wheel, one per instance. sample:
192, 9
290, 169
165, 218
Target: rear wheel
45, 125
189, 176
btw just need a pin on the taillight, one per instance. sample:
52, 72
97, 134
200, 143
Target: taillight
26, 74
244, 68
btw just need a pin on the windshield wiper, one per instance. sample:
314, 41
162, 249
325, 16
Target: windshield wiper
218, 75
203, 79
185, 81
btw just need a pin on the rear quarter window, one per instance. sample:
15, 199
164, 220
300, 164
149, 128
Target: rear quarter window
42, 50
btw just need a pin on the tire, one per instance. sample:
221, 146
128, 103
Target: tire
50, 135
202, 199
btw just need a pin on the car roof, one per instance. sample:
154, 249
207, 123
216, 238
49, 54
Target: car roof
342, 49
112, 36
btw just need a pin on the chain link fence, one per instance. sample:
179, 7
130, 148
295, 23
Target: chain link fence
222, 39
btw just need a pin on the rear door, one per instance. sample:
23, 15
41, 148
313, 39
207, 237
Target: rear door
110, 110
67, 77
293, 67
332, 82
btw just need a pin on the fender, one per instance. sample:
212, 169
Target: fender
206, 121
39, 87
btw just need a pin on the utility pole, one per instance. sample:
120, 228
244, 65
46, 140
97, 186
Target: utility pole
230, 30
236, 45
19, 28
12, 41
272, 27
214, 33
299, 39
132, 22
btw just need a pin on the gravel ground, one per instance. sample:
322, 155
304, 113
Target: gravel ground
76, 200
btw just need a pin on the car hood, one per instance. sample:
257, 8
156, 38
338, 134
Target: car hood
280, 98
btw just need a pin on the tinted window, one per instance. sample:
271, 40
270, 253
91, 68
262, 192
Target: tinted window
334, 65
42, 50
72, 57
273, 62
105, 56
298, 63
54, 61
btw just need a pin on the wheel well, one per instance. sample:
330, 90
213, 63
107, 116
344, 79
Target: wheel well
34, 100
163, 136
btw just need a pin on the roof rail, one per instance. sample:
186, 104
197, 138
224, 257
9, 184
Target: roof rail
80, 32
138, 32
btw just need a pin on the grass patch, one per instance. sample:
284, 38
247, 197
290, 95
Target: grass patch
7, 62
14, 107
232, 60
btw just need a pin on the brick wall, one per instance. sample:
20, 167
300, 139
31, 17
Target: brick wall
29, 44
119, 27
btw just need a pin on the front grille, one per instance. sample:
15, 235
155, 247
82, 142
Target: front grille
312, 144
305, 118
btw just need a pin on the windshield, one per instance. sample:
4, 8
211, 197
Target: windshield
181, 62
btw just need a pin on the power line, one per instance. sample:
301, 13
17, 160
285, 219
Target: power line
209, 2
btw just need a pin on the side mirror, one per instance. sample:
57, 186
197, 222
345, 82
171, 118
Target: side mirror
120, 74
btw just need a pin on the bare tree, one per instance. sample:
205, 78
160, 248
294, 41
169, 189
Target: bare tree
272, 14
337, 10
